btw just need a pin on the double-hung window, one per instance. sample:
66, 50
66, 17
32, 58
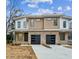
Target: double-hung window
55, 21
32, 23
18, 24
64, 24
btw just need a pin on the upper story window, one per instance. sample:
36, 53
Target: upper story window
64, 24
55, 21
24, 24
18, 24
32, 23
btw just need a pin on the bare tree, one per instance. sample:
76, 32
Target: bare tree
10, 23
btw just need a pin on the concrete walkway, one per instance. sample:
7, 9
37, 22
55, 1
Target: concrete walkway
56, 52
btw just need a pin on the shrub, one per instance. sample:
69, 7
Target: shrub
9, 39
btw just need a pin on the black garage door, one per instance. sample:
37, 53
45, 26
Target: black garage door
35, 39
50, 39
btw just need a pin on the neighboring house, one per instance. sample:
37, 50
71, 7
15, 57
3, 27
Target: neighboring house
43, 29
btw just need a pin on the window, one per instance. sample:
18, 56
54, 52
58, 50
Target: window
55, 21
32, 23
64, 24
62, 36
24, 24
25, 36
18, 24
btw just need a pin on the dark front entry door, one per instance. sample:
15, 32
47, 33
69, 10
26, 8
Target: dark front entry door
35, 39
50, 39
25, 36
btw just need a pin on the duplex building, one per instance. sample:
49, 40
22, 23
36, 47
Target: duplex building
43, 29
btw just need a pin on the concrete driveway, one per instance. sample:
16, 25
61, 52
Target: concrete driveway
56, 52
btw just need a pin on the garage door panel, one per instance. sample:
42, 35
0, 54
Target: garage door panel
35, 39
50, 39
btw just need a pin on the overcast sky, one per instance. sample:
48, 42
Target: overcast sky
42, 6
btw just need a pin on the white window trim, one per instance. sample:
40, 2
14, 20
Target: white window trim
22, 24
18, 24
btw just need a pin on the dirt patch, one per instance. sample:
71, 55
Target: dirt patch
20, 52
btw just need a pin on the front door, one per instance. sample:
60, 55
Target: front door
25, 36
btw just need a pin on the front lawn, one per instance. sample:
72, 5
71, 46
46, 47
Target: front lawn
20, 52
